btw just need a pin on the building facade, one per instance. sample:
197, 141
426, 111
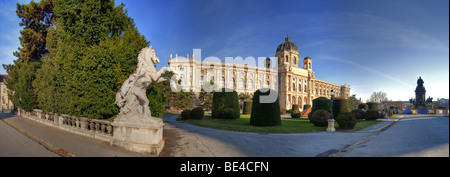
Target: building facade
295, 84
5, 103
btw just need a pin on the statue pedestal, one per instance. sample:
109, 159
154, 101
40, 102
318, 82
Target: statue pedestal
142, 135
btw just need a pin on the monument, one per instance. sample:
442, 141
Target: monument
420, 102
134, 127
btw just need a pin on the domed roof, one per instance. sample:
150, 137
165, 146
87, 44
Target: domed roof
287, 45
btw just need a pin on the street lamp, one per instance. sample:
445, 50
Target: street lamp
331, 120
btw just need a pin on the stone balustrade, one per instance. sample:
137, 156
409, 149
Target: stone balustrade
94, 128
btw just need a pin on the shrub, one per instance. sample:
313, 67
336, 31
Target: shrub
230, 113
371, 115
197, 113
320, 118
186, 114
346, 120
358, 113
320, 103
306, 106
363, 106
295, 111
372, 105
265, 114
282, 111
340, 105
226, 98
247, 107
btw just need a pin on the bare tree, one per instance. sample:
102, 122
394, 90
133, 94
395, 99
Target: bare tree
378, 97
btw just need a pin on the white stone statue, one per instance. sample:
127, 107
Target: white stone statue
131, 98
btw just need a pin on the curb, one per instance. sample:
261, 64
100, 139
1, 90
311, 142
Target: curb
41, 141
339, 153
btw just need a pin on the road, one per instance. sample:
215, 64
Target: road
15, 144
413, 136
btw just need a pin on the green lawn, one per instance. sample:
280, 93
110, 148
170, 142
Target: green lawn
288, 125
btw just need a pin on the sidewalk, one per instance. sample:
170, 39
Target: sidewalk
65, 143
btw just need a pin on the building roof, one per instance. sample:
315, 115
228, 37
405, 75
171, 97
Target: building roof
287, 45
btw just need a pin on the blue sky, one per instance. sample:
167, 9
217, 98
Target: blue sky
373, 45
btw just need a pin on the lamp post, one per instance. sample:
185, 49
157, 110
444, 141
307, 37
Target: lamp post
331, 120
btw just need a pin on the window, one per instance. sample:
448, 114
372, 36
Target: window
222, 82
181, 69
250, 84
202, 81
202, 71
233, 83
241, 83
267, 84
182, 79
211, 79
299, 87
259, 84
295, 60
251, 74
287, 58
293, 87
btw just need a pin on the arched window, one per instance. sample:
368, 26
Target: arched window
295, 60
293, 100
300, 102
299, 87
287, 58
182, 78
267, 84
202, 81
241, 83
259, 84
293, 87
222, 82
305, 89
211, 79
233, 83
250, 84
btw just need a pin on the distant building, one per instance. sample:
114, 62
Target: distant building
5, 103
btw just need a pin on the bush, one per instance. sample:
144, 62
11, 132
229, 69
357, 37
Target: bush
226, 98
363, 106
282, 111
197, 113
229, 113
247, 107
320, 103
346, 120
295, 112
265, 114
358, 113
372, 105
340, 105
306, 106
372, 115
186, 114
320, 118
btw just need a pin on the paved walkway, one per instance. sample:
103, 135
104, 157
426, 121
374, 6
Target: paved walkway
186, 140
189, 140
64, 143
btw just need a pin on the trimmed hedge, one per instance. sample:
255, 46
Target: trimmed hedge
363, 106
247, 107
320, 103
230, 113
265, 114
197, 113
371, 114
186, 114
340, 105
226, 98
358, 113
372, 106
346, 120
295, 111
320, 118
306, 106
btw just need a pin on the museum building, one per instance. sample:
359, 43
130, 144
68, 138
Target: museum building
295, 84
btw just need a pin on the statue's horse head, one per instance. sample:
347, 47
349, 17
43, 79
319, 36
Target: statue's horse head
151, 53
